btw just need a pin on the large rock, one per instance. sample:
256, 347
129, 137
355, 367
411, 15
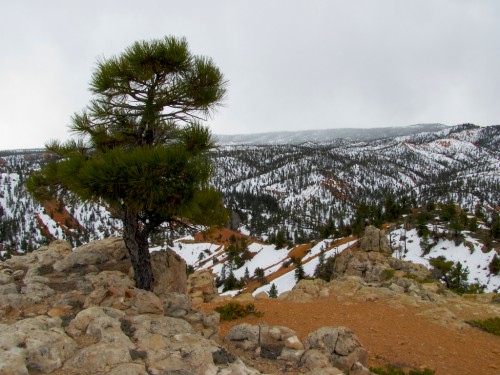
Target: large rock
315, 359
307, 290
271, 342
328, 350
274, 339
38, 344
36, 292
172, 346
56, 250
93, 253
414, 270
169, 271
371, 266
98, 358
104, 324
339, 344
372, 262
245, 336
375, 240
6, 277
176, 305
119, 329
201, 286
326, 371
129, 369
125, 297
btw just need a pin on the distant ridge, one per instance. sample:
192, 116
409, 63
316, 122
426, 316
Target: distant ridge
22, 151
326, 135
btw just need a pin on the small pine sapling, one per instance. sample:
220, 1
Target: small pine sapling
273, 292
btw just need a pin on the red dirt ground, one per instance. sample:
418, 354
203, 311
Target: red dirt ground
391, 333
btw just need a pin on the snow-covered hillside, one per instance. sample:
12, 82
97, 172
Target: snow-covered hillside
291, 188
27, 225
305, 186
276, 262
470, 253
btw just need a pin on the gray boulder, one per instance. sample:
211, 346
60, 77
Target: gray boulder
93, 253
38, 344
245, 336
169, 271
375, 240
339, 344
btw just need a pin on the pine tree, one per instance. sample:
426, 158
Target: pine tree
299, 271
457, 278
280, 241
319, 267
259, 275
141, 149
273, 292
494, 265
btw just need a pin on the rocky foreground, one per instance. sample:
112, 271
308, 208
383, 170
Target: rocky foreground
65, 311
77, 312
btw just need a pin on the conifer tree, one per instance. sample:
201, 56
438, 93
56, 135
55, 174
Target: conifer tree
494, 265
140, 148
299, 271
273, 292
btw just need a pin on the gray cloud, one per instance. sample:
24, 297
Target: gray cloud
291, 65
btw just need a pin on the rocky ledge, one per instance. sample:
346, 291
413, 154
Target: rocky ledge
65, 311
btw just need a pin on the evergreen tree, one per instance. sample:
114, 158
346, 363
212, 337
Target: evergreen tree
324, 269
448, 211
299, 271
259, 275
441, 268
140, 149
495, 226
273, 292
422, 220
231, 282
392, 210
280, 240
473, 226
320, 265
457, 278
456, 228
494, 265
454, 275
328, 230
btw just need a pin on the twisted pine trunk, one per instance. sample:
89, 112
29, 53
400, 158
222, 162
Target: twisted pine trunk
136, 241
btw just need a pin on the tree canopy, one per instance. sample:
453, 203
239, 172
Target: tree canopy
140, 145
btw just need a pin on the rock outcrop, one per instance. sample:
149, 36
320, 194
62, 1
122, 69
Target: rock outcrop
370, 273
372, 262
38, 343
328, 350
169, 271
375, 240
78, 311
369, 261
201, 286
368, 265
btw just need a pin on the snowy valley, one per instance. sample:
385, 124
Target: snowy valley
305, 201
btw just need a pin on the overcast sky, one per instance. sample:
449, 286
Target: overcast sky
292, 65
